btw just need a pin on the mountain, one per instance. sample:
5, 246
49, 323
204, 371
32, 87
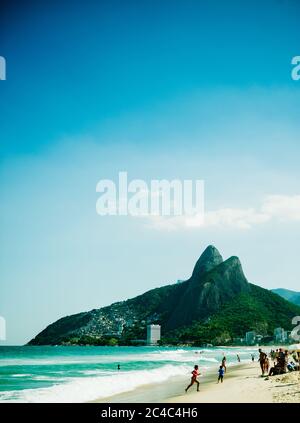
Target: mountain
209, 288
209, 259
216, 304
292, 296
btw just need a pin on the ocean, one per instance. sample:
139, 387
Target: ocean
81, 374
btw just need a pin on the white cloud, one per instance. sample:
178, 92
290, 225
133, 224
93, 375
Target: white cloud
282, 208
235, 218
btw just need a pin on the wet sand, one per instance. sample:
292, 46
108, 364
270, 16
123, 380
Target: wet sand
242, 384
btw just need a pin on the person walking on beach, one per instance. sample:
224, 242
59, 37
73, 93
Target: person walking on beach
195, 374
224, 363
238, 358
221, 374
263, 361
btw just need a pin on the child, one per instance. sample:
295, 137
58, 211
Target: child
195, 374
221, 374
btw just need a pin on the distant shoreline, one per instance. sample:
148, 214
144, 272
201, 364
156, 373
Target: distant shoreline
271, 345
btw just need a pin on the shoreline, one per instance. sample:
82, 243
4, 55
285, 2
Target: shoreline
242, 384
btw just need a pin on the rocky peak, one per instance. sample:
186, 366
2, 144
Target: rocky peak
209, 259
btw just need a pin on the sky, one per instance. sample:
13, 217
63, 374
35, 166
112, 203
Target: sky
174, 90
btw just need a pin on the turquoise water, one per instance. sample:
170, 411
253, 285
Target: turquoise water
79, 374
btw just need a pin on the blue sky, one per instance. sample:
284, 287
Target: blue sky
161, 90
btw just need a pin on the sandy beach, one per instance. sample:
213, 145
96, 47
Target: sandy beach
242, 384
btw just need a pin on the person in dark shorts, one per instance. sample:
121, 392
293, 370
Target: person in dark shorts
195, 374
221, 374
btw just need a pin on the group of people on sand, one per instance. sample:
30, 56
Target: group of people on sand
282, 362
196, 373
282, 359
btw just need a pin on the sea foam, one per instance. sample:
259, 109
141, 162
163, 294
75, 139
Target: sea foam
92, 388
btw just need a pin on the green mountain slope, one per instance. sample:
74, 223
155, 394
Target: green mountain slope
215, 305
292, 296
256, 310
